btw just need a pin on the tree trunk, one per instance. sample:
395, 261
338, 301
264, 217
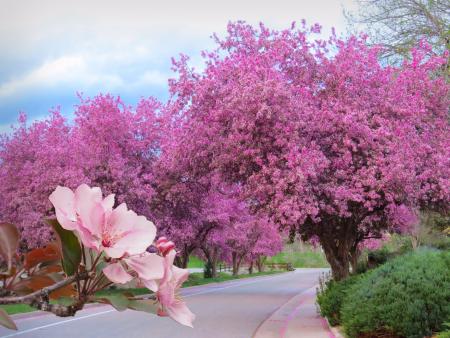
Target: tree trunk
250, 268
234, 263
213, 261
238, 265
260, 263
182, 260
234, 257
337, 252
212, 258
354, 256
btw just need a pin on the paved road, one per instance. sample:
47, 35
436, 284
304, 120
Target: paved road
227, 310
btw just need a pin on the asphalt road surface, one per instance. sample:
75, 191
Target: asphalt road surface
226, 310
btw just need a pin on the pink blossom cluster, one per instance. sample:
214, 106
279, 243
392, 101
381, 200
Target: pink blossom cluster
123, 237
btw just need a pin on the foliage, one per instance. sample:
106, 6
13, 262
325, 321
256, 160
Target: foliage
378, 257
446, 333
409, 295
331, 295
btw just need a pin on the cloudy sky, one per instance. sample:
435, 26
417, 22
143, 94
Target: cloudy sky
52, 49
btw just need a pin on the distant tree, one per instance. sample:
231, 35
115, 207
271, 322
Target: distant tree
109, 145
399, 25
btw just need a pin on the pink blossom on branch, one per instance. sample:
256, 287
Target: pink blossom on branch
124, 237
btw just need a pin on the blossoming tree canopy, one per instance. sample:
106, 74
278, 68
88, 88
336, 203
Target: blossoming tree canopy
98, 245
108, 144
322, 137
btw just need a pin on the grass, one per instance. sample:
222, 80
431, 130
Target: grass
301, 255
194, 279
12, 309
195, 262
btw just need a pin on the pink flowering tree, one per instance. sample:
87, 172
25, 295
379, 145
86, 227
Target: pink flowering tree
97, 245
108, 144
323, 139
251, 239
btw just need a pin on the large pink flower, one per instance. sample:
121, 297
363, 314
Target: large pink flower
167, 292
118, 232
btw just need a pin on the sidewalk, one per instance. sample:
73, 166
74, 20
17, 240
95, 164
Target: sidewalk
298, 318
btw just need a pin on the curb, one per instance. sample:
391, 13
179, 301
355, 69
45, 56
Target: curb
334, 330
280, 323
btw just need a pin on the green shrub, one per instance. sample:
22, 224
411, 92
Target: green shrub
378, 257
409, 295
362, 266
330, 296
446, 333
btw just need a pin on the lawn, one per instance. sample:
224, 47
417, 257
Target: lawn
194, 279
301, 255
195, 262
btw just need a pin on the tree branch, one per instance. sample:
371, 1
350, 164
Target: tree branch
43, 293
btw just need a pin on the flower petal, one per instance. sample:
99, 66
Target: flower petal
138, 238
117, 274
179, 275
63, 199
86, 199
151, 285
108, 202
148, 266
179, 312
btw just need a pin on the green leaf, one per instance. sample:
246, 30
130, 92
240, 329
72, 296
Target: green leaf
9, 241
119, 301
69, 246
6, 320
100, 266
149, 306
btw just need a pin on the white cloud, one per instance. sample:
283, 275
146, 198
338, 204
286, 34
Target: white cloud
125, 47
153, 77
65, 70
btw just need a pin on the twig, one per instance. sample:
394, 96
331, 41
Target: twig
58, 309
151, 296
39, 294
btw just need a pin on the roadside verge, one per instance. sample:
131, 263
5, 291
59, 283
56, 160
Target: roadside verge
297, 318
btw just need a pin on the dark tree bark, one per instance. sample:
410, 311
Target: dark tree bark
260, 263
237, 260
234, 263
337, 243
250, 267
212, 256
182, 260
355, 253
